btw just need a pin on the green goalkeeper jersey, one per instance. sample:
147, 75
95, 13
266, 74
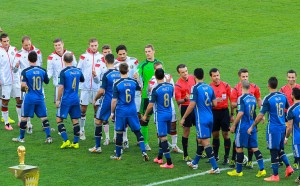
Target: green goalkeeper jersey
146, 71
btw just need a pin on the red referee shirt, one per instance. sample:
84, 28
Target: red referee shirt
182, 88
222, 91
287, 90
237, 92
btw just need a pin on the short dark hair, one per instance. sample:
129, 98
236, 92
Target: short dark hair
296, 93
3, 35
199, 73
68, 57
159, 74
121, 47
245, 84
24, 38
213, 70
242, 70
104, 47
32, 57
92, 40
180, 66
156, 64
292, 72
123, 68
57, 40
149, 46
110, 58
273, 82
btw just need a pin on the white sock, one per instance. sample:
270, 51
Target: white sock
125, 135
29, 122
174, 140
5, 116
19, 114
82, 123
106, 130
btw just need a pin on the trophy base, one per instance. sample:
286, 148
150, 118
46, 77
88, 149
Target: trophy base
27, 173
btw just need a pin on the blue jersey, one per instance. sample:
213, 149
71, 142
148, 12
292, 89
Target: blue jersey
275, 103
124, 91
161, 96
70, 78
247, 105
203, 95
34, 76
293, 113
107, 81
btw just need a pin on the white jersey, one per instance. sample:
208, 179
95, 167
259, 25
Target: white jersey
87, 63
7, 75
55, 64
132, 64
153, 83
21, 60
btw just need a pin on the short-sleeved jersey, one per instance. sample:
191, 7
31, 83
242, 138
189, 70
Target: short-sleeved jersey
6, 65
246, 105
132, 64
222, 91
153, 82
146, 71
88, 62
34, 77
293, 113
275, 103
161, 96
55, 64
237, 91
69, 79
124, 91
107, 81
203, 95
183, 87
287, 90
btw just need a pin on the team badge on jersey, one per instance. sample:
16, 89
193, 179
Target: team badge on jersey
131, 66
191, 96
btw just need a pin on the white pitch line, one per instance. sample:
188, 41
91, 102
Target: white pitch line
198, 174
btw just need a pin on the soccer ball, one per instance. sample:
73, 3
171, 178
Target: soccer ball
245, 160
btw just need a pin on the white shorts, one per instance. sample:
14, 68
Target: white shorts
138, 100
87, 97
10, 91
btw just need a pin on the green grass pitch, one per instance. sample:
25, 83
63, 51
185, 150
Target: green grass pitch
262, 36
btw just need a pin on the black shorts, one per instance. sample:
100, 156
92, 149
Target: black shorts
221, 120
144, 105
190, 120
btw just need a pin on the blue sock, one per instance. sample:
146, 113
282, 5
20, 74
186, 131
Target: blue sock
47, 131
196, 159
97, 140
76, 139
275, 168
259, 159
210, 154
118, 150
239, 161
46, 127
213, 162
142, 146
22, 133
285, 159
167, 155
64, 136
239, 167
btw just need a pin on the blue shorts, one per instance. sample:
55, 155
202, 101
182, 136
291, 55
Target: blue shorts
121, 123
244, 140
64, 110
275, 140
296, 149
104, 110
163, 128
28, 110
204, 130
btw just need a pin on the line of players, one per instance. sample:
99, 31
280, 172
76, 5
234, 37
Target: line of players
55, 65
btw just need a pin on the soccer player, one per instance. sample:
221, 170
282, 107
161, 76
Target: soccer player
68, 101
10, 87
21, 62
221, 114
287, 90
160, 102
293, 117
202, 100
235, 93
91, 65
33, 78
183, 88
146, 72
274, 103
105, 93
244, 119
123, 111
55, 63
132, 65
106, 50
173, 131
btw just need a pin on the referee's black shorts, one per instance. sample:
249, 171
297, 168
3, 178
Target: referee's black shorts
221, 120
190, 120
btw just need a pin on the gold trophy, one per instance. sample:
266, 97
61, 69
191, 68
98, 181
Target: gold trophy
27, 173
